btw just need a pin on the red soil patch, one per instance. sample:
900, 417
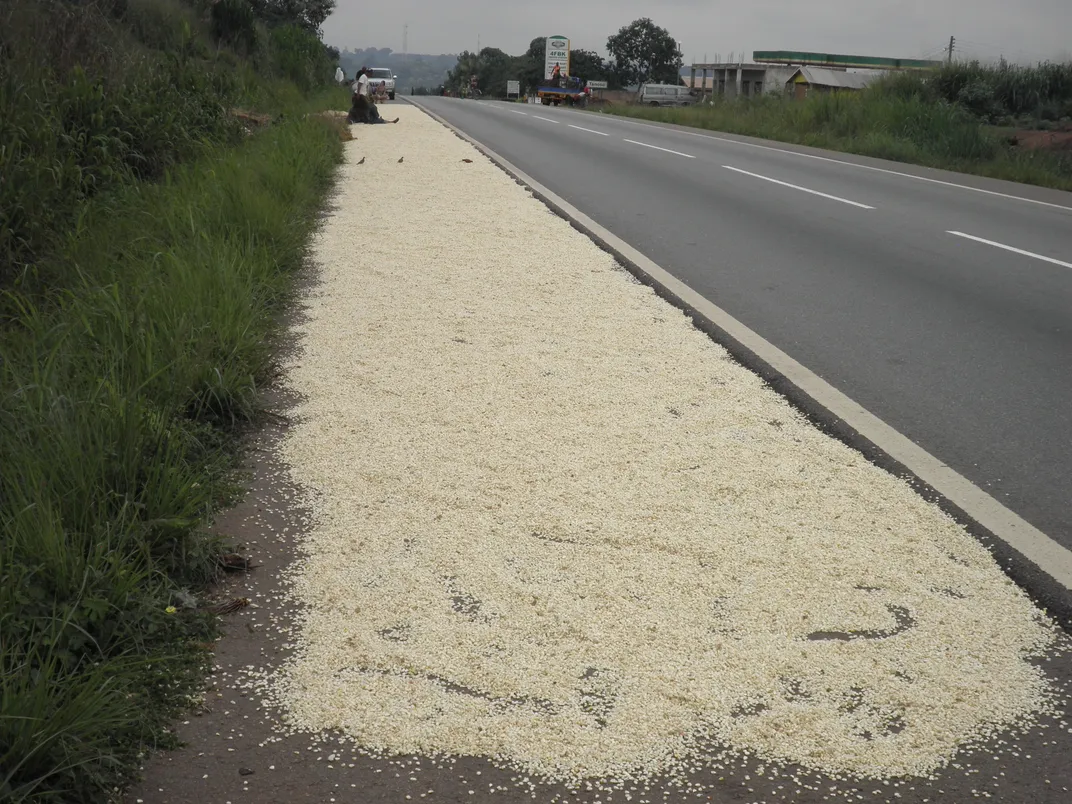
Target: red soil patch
1046, 140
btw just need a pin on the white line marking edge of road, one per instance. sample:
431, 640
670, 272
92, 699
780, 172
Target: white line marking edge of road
1013, 249
798, 187
1052, 558
657, 148
786, 150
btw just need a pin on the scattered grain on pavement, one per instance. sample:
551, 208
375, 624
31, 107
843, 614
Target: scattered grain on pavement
556, 525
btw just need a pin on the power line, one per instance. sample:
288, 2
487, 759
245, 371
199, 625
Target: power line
934, 51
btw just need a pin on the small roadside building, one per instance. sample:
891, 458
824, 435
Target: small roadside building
806, 80
737, 79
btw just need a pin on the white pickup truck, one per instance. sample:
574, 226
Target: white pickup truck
376, 75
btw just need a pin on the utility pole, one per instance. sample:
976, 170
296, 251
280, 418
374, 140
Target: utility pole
405, 41
952, 44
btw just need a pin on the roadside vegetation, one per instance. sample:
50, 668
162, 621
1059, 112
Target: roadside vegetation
158, 185
962, 117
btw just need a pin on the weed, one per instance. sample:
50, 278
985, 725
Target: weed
145, 255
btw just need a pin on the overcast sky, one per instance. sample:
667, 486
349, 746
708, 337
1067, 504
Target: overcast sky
1021, 30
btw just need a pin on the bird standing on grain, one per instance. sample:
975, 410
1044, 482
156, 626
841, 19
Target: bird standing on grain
400, 159
362, 161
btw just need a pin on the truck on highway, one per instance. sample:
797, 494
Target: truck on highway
567, 89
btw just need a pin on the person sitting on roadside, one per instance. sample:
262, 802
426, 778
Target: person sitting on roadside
363, 109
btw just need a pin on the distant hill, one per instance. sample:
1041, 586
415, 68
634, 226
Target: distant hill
413, 69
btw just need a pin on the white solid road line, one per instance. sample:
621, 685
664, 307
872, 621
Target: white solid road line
797, 187
589, 130
657, 148
1051, 557
1013, 250
545, 119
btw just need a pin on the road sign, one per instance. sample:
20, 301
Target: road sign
513, 88
557, 52
597, 84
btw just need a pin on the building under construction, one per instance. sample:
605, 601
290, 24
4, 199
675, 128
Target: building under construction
772, 71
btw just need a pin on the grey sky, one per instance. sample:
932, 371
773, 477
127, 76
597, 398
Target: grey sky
1022, 30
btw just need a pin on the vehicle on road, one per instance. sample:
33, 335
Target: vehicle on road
378, 74
567, 89
665, 95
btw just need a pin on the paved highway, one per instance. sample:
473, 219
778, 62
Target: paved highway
945, 310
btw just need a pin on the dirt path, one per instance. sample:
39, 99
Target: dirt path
546, 520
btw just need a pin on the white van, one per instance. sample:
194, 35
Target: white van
665, 95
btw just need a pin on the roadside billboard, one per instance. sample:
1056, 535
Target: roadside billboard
557, 52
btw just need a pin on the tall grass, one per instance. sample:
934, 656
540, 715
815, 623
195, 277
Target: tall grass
906, 118
96, 95
145, 254
118, 391
1004, 93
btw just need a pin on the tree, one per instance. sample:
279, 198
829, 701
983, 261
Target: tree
529, 68
590, 66
307, 14
491, 66
642, 51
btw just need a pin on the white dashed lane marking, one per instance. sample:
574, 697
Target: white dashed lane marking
798, 187
657, 148
1012, 249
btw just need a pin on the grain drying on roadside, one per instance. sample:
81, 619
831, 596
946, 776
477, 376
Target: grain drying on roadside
558, 526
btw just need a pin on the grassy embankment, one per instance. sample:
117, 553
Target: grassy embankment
147, 245
956, 118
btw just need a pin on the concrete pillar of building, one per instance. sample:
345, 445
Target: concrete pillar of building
692, 77
737, 88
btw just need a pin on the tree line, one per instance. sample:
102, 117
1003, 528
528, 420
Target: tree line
641, 51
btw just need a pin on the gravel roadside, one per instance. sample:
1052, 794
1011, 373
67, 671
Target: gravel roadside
551, 523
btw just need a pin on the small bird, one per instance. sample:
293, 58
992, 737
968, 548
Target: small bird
362, 161
400, 159
468, 161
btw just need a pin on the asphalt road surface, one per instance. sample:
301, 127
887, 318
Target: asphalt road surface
945, 311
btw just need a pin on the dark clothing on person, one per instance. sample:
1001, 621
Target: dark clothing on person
364, 111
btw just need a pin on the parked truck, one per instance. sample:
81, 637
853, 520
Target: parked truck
567, 89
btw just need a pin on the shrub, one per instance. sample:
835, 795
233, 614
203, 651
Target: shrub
69, 132
992, 92
299, 55
234, 23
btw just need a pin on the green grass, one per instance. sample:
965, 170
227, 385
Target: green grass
884, 121
94, 96
120, 387
147, 249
